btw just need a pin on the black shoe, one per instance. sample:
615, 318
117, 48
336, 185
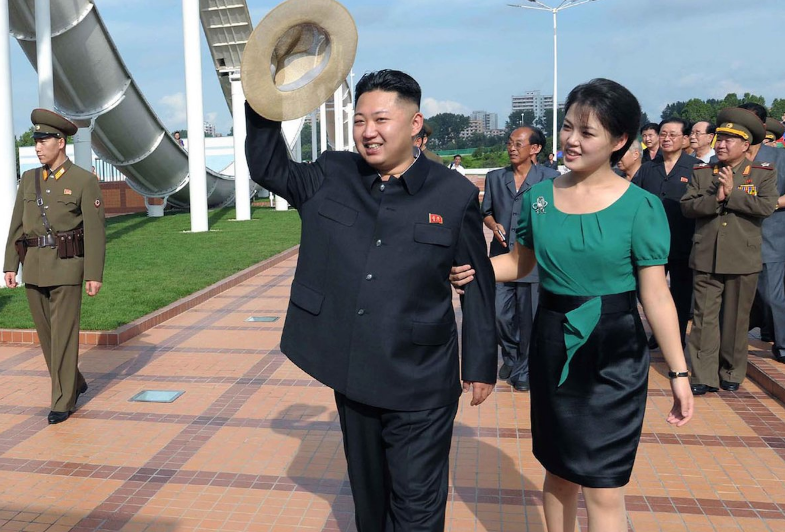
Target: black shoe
521, 386
82, 389
57, 417
729, 386
653, 342
505, 371
701, 389
780, 358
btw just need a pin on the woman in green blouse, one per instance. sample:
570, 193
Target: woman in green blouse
596, 240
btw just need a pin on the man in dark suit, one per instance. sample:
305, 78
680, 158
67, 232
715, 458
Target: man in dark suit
667, 177
370, 312
729, 201
516, 302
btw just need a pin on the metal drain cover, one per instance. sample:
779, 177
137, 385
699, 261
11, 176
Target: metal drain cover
261, 318
157, 396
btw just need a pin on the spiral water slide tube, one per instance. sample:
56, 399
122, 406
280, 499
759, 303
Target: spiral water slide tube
93, 86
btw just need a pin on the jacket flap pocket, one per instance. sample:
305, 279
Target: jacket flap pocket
433, 234
306, 298
339, 213
29, 196
755, 241
431, 333
697, 237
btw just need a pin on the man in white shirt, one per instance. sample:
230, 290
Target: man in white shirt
456, 165
700, 140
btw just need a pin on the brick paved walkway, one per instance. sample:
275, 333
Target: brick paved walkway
254, 444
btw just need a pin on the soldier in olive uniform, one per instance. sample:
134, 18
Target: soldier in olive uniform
729, 201
58, 224
774, 131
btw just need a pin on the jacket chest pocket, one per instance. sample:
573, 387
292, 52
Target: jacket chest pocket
67, 204
436, 235
337, 212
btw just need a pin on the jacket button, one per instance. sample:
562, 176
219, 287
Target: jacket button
361, 312
368, 277
382, 188
378, 243
724, 224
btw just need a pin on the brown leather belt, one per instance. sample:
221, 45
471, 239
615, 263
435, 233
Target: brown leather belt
46, 241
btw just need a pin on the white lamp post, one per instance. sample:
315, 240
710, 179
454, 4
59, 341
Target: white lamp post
539, 6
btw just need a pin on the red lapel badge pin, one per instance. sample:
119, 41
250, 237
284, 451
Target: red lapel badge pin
435, 219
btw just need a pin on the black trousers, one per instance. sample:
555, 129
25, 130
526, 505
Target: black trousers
398, 465
681, 283
771, 293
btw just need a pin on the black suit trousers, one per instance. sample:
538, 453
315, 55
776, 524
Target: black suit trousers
398, 465
681, 283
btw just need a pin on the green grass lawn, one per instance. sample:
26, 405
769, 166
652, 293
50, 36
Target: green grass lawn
151, 262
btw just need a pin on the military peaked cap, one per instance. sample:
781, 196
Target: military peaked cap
47, 123
774, 129
741, 123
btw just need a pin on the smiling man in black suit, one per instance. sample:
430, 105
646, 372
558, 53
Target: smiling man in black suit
371, 312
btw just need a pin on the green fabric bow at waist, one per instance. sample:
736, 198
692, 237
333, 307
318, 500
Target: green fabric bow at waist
578, 326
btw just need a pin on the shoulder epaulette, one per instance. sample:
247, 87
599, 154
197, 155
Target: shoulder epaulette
763, 166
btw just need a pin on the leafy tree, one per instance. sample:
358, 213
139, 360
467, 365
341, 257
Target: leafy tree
730, 100
753, 98
25, 139
672, 109
695, 110
517, 119
447, 128
777, 110
644, 119
545, 123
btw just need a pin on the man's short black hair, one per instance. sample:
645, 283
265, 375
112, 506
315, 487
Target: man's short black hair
401, 83
711, 129
651, 125
686, 127
757, 109
536, 136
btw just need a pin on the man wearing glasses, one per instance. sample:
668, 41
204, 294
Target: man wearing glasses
667, 178
516, 302
700, 140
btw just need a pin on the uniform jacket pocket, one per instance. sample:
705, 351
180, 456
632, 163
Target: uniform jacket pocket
306, 298
431, 333
433, 234
338, 213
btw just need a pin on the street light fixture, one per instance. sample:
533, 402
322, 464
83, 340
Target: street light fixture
539, 6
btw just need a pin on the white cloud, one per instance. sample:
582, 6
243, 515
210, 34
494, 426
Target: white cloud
432, 106
174, 109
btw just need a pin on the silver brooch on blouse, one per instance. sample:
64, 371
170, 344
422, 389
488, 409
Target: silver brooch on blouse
539, 205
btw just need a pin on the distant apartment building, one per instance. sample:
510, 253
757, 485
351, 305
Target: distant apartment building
209, 129
489, 121
475, 127
535, 102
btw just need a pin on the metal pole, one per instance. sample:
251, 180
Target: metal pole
43, 45
323, 127
195, 116
338, 118
83, 148
7, 145
555, 139
242, 178
314, 136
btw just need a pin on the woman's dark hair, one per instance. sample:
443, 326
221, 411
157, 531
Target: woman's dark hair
615, 107
395, 81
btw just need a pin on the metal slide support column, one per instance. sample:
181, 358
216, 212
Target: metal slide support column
83, 148
338, 116
197, 170
242, 177
323, 128
43, 46
7, 145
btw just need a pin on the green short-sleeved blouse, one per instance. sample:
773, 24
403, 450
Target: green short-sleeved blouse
592, 254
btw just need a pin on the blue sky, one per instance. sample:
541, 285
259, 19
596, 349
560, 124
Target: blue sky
475, 54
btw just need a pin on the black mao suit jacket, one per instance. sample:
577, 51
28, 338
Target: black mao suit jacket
370, 312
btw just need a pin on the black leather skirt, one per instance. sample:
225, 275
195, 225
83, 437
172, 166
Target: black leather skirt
587, 429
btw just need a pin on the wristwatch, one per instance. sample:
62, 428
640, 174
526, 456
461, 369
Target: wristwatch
675, 375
